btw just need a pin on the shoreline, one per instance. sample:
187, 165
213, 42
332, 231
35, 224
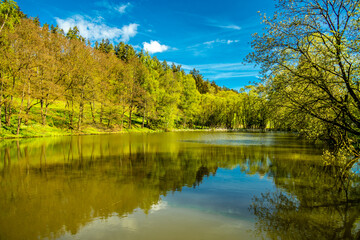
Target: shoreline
90, 130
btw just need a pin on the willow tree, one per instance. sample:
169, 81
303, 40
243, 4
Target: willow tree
309, 59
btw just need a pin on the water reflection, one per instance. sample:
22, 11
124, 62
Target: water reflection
56, 187
312, 202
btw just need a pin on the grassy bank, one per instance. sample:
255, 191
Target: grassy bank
39, 130
57, 123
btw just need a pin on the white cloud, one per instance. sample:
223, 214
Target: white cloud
209, 42
219, 24
154, 47
237, 66
235, 27
222, 41
225, 67
95, 29
161, 205
228, 75
129, 31
122, 8
232, 41
218, 71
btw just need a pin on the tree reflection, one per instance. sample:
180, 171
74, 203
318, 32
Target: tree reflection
50, 187
314, 204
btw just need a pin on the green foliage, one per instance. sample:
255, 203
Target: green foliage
9, 14
55, 79
309, 59
201, 85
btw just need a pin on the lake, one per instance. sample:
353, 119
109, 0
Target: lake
179, 185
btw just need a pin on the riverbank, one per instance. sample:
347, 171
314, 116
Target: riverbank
39, 130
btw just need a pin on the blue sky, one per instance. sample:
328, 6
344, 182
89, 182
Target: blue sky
211, 36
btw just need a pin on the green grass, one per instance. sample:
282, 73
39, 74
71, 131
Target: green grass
57, 123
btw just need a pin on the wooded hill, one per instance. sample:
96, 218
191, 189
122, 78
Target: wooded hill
52, 78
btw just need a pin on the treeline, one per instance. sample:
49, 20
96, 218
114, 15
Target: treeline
55, 78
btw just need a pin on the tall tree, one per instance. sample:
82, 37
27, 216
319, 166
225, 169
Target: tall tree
308, 55
9, 14
201, 84
189, 98
50, 79
22, 62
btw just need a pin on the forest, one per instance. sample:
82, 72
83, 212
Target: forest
60, 79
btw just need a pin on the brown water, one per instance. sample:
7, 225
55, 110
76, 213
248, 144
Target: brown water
191, 185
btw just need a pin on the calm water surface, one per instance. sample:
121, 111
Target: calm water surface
185, 185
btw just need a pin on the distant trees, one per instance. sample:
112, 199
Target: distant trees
201, 85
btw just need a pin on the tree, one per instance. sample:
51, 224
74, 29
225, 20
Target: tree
124, 51
189, 98
308, 55
254, 108
167, 100
81, 79
20, 65
135, 91
9, 14
105, 46
74, 33
106, 93
201, 84
49, 84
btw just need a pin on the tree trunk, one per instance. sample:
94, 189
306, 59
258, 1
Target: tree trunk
9, 113
122, 118
20, 110
101, 113
3, 24
144, 116
92, 108
5, 112
42, 112
46, 112
81, 112
28, 106
72, 115
130, 115
8, 120
81, 106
